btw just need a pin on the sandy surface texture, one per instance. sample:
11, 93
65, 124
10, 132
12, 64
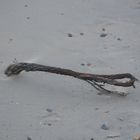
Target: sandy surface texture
95, 36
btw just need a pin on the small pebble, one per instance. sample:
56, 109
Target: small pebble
44, 123
49, 110
27, 17
96, 108
88, 64
81, 33
62, 14
120, 119
92, 139
105, 127
103, 35
82, 64
70, 35
31, 125
118, 39
106, 112
25, 5
12, 101
28, 138
103, 29
49, 124
10, 39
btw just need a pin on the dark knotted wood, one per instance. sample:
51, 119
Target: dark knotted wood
93, 79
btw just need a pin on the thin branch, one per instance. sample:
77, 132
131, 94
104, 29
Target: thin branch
105, 91
92, 79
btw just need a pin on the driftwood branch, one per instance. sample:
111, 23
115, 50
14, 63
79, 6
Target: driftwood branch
97, 81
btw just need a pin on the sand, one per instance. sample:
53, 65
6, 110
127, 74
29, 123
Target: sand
95, 36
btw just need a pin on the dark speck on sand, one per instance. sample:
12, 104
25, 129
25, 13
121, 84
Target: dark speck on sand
103, 35
28, 18
28, 138
81, 34
70, 35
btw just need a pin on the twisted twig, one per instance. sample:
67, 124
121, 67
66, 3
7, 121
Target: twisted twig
93, 79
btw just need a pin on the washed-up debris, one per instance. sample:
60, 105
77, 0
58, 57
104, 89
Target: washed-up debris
96, 80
